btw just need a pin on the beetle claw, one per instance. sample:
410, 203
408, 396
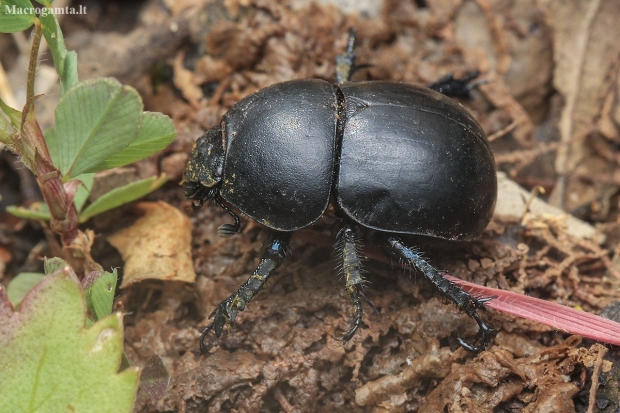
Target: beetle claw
223, 315
349, 334
485, 334
356, 296
204, 349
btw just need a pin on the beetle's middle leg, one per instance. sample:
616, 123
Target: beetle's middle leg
226, 312
354, 280
463, 300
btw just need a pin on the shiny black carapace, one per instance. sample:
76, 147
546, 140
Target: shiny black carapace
394, 158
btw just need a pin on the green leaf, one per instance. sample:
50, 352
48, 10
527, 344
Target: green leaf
37, 210
6, 137
63, 60
50, 363
16, 15
81, 196
94, 120
52, 265
40, 210
9, 133
47, 3
100, 295
51, 138
21, 285
156, 132
55, 40
14, 115
10, 124
69, 76
122, 195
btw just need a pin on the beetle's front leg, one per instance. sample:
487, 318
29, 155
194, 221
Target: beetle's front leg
452, 87
226, 312
463, 300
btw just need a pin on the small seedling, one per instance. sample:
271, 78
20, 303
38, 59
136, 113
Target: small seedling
100, 125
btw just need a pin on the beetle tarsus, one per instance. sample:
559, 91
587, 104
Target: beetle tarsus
226, 312
462, 87
354, 280
228, 230
485, 334
463, 300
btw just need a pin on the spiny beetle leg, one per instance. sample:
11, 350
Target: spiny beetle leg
354, 280
463, 300
452, 87
345, 63
226, 312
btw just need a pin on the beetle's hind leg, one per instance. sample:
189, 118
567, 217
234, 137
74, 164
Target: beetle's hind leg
462, 299
226, 312
351, 268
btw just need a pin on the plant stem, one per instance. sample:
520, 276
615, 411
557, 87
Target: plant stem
34, 60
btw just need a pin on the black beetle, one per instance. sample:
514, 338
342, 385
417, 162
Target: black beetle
394, 158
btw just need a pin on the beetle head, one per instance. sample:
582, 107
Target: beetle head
203, 173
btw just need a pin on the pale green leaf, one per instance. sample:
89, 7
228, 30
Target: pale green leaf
55, 40
64, 62
81, 196
47, 3
52, 144
21, 285
40, 210
69, 76
50, 363
37, 210
94, 120
54, 264
100, 295
16, 15
14, 115
122, 195
156, 132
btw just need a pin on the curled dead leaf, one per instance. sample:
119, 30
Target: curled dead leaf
156, 246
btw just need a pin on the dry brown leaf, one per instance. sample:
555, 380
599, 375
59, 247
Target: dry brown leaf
184, 81
156, 246
584, 54
511, 203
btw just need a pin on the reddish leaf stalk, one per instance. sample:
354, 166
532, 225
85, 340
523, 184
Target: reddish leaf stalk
35, 154
64, 218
